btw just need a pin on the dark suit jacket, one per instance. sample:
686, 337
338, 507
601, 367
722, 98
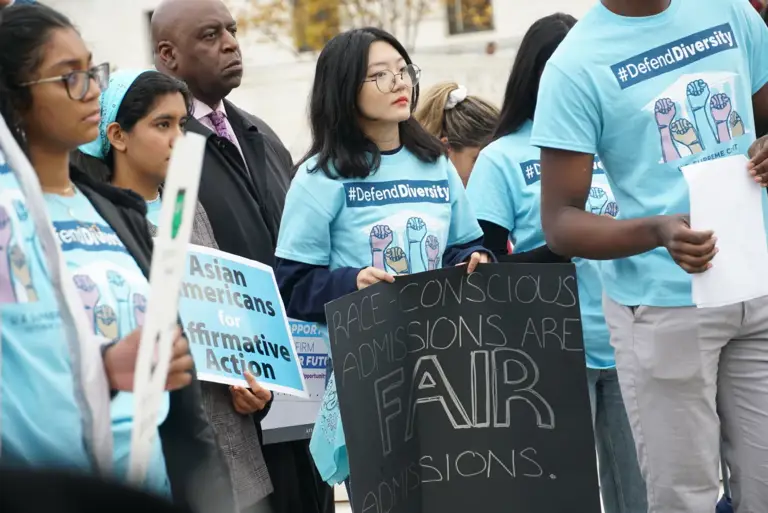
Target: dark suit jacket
243, 204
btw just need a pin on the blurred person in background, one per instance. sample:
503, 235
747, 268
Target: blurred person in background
463, 123
49, 94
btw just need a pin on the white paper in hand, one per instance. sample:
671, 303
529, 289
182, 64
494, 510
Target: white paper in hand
725, 199
165, 279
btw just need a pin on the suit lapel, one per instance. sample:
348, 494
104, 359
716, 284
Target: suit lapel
252, 145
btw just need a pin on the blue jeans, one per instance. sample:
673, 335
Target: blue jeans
621, 483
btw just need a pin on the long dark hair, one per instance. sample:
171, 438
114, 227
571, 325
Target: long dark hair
338, 140
538, 45
138, 101
24, 31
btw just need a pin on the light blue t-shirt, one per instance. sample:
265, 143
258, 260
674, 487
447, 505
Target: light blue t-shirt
505, 189
649, 95
399, 219
153, 210
114, 293
40, 420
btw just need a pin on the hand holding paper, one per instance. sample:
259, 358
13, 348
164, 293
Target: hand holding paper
758, 165
724, 198
692, 250
250, 400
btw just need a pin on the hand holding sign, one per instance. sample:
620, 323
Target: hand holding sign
120, 363
372, 275
250, 400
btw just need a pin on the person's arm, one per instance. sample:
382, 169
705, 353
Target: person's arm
566, 178
307, 288
566, 128
495, 238
758, 63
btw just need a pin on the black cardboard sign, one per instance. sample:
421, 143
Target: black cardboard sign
458, 391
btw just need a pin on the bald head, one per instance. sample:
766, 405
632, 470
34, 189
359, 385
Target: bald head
195, 41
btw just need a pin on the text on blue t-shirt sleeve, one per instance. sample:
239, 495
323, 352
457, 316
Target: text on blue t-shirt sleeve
464, 226
490, 194
567, 116
305, 229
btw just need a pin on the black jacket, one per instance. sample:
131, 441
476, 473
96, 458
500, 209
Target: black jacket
198, 474
244, 205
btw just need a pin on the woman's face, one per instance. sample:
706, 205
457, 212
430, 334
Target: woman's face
464, 160
384, 62
54, 119
147, 147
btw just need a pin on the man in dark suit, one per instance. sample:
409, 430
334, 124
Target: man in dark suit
245, 177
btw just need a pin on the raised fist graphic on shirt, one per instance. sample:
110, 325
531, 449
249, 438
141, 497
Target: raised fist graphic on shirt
736, 124
666, 111
611, 209
685, 133
106, 322
381, 238
122, 292
698, 94
7, 292
721, 108
20, 267
89, 295
598, 198
397, 260
432, 247
416, 231
139, 310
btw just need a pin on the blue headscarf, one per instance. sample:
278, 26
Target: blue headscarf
111, 99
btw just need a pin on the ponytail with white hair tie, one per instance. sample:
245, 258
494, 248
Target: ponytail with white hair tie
456, 96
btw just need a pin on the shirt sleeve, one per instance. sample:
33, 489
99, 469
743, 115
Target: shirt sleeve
305, 229
464, 226
755, 41
567, 116
489, 194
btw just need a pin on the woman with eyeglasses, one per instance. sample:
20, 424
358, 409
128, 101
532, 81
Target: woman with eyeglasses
49, 96
347, 223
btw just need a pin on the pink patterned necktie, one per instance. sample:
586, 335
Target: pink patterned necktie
220, 125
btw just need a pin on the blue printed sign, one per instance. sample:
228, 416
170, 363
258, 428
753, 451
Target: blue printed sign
292, 418
234, 319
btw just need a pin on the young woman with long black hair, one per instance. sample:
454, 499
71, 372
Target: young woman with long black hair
49, 95
505, 191
375, 197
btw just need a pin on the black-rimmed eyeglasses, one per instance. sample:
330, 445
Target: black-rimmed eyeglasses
386, 80
78, 83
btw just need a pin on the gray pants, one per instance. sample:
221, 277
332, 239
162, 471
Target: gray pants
685, 374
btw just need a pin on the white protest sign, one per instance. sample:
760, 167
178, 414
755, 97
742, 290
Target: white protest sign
165, 278
725, 199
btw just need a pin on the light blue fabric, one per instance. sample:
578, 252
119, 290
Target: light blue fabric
111, 99
327, 445
153, 210
40, 418
400, 219
505, 189
114, 292
650, 95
